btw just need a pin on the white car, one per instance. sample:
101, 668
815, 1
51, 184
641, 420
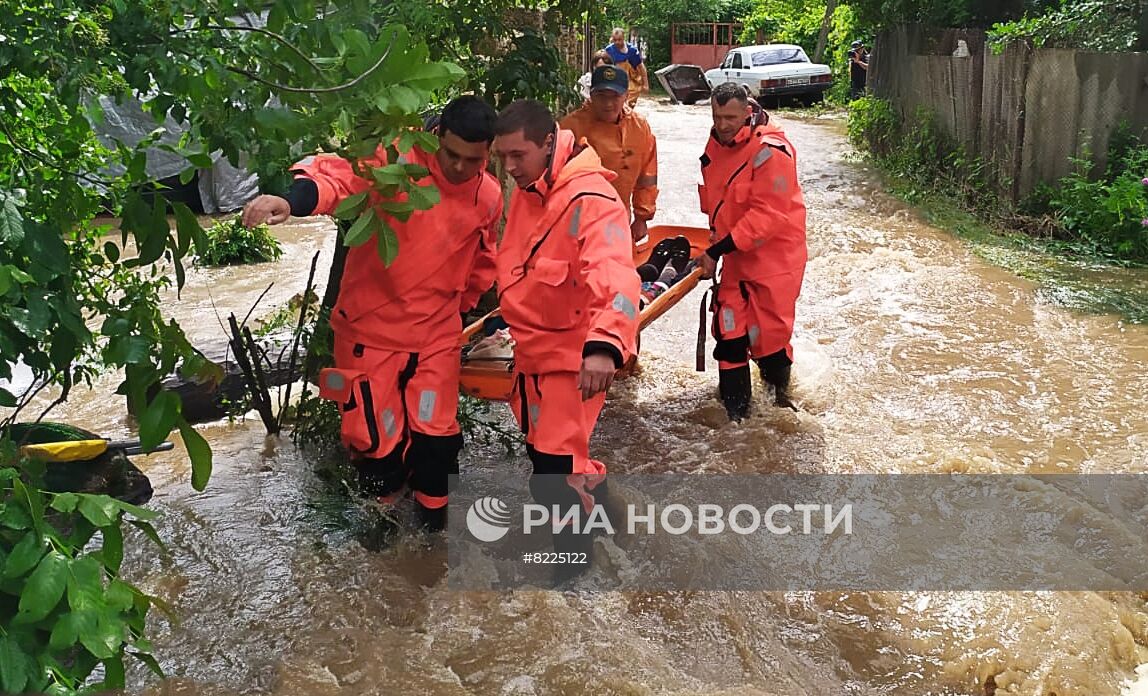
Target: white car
774, 70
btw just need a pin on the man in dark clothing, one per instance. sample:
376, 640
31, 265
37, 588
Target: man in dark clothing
858, 69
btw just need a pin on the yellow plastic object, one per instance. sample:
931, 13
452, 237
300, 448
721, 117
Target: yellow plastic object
70, 451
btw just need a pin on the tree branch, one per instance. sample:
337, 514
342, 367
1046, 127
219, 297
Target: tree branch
45, 161
317, 90
278, 37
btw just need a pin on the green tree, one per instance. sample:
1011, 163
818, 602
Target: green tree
941, 13
265, 81
1097, 25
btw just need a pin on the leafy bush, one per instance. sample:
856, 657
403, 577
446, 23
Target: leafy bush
532, 69
1108, 215
1095, 25
1105, 217
873, 125
229, 243
64, 611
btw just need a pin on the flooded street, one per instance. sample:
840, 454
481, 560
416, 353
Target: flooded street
912, 356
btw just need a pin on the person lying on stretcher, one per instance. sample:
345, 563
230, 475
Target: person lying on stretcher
669, 262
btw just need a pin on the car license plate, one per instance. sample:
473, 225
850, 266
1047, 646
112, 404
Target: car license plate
797, 81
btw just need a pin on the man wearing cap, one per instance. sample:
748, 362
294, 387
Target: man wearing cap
624, 142
858, 69
627, 57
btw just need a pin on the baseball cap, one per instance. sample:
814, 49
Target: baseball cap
611, 78
855, 44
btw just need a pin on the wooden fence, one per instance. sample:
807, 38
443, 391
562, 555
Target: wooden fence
1025, 112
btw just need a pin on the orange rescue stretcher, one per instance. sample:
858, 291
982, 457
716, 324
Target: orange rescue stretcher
492, 379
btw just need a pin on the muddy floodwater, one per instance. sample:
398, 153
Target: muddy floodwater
912, 355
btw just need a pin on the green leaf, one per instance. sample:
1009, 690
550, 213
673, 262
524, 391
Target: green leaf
7, 399
148, 531
399, 209
11, 221
158, 419
153, 234
425, 197
180, 275
149, 661
65, 502
14, 666
120, 596
362, 230
25, 555
67, 629
112, 251
357, 43
85, 585
108, 637
46, 249
113, 549
281, 120
114, 672
201, 160
404, 99
277, 18
433, 76
115, 326
14, 516
33, 499
387, 245
187, 228
45, 587
351, 206
200, 453
100, 510
389, 174
135, 511
129, 350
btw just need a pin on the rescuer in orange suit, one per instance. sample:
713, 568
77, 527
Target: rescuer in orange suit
397, 328
624, 141
757, 223
569, 291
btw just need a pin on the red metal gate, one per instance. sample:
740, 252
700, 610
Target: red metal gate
702, 43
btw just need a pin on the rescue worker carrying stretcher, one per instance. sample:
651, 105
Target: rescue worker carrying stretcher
623, 140
396, 329
568, 289
757, 222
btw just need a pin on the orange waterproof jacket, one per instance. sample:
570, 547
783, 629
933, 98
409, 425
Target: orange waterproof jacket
627, 148
566, 278
445, 260
750, 193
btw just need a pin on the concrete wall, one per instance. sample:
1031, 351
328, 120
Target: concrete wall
1026, 112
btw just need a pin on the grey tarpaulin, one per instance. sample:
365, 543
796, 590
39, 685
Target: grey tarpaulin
222, 188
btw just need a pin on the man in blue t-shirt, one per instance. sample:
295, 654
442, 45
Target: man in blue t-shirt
626, 56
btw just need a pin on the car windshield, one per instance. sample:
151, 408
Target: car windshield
774, 56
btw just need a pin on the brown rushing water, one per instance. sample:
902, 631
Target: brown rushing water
912, 356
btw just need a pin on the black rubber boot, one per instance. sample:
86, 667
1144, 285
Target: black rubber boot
775, 371
382, 477
736, 390
432, 519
